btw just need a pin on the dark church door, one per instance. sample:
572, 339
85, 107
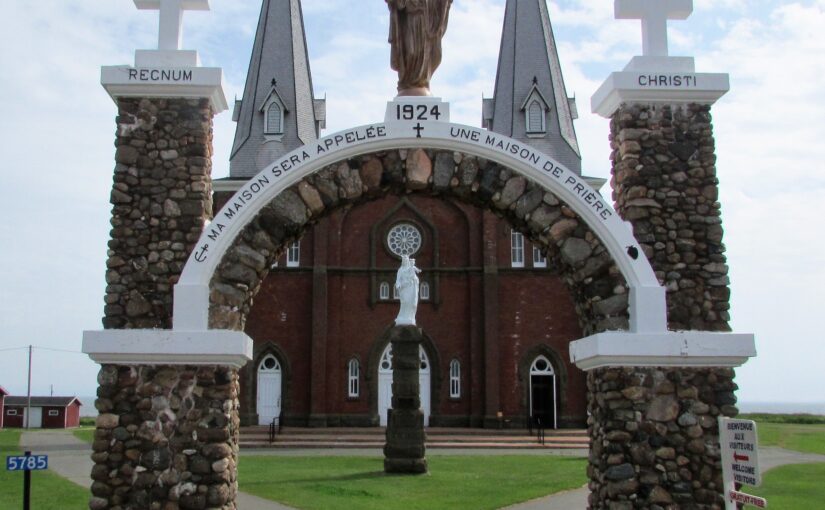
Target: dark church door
543, 394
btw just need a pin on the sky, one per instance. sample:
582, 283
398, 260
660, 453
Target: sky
57, 132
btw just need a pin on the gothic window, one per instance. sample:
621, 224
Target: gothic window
516, 249
384, 291
541, 366
539, 260
424, 291
404, 239
274, 119
455, 379
395, 292
535, 117
354, 378
293, 254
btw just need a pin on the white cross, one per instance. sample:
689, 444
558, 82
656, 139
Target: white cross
654, 15
171, 18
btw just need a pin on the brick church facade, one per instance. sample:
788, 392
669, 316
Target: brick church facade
496, 315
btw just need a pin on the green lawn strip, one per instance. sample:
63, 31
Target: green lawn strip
85, 434
796, 486
454, 482
801, 438
49, 491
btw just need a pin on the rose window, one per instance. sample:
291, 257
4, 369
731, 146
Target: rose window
404, 239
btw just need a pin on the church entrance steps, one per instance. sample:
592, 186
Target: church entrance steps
437, 437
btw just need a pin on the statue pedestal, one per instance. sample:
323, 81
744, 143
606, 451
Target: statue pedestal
404, 448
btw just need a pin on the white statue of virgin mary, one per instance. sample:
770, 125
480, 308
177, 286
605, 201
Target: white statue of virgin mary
406, 283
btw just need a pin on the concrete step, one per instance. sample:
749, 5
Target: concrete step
295, 437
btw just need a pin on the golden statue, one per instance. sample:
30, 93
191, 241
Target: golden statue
416, 29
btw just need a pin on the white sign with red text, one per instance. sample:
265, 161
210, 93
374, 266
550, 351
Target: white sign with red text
740, 460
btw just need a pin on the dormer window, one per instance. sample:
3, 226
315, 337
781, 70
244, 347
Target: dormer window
274, 119
273, 110
535, 118
535, 109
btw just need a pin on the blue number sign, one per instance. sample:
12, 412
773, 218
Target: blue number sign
27, 463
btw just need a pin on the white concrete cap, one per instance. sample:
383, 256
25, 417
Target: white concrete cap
658, 87
670, 349
184, 82
166, 347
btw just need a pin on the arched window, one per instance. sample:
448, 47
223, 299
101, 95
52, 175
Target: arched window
274, 119
354, 386
535, 118
541, 366
516, 249
455, 379
384, 291
424, 291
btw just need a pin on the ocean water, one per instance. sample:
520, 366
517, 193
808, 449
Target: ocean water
88, 408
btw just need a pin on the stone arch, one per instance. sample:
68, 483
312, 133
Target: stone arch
363, 163
600, 292
371, 375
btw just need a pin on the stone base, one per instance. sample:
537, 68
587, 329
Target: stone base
406, 466
405, 447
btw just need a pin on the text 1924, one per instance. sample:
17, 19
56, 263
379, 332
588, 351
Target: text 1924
417, 112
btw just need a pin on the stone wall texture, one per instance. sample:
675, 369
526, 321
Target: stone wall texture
166, 438
161, 197
654, 431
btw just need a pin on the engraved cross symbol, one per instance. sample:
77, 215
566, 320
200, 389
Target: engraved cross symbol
171, 18
418, 129
654, 15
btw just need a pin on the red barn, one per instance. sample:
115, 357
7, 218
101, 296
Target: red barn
3, 394
46, 412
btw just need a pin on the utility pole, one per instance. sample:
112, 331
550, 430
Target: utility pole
29, 392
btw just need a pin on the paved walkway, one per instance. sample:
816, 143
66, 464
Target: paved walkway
69, 458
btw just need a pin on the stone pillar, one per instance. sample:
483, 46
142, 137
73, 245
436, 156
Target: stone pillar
404, 451
167, 433
161, 198
653, 429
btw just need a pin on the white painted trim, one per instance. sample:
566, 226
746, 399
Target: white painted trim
674, 348
166, 347
635, 87
197, 82
647, 297
227, 185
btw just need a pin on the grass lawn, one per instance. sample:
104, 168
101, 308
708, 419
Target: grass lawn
802, 438
86, 434
454, 482
796, 487
49, 491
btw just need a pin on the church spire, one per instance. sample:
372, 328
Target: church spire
530, 102
278, 112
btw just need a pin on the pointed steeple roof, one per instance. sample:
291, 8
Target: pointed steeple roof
278, 112
530, 102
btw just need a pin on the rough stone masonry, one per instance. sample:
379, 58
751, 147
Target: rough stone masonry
654, 434
167, 436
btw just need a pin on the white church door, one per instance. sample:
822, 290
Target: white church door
269, 390
385, 385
